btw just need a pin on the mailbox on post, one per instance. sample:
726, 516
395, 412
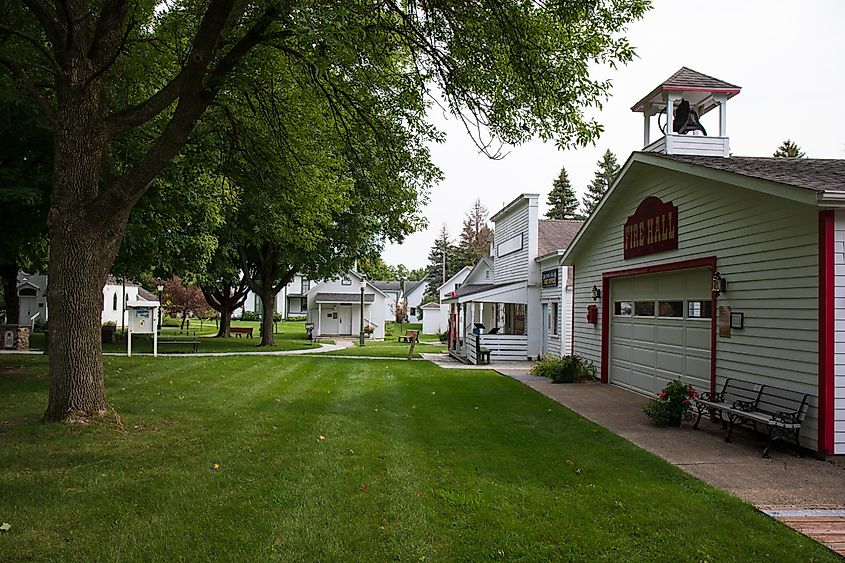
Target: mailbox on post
143, 319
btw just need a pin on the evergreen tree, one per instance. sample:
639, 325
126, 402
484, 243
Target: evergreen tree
563, 203
443, 261
608, 168
788, 149
474, 241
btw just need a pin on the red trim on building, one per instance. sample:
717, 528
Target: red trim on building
706, 262
826, 330
696, 89
572, 327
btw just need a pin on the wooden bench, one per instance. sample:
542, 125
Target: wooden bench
740, 402
193, 343
410, 336
240, 330
484, 356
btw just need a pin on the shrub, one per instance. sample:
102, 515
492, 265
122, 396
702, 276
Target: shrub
250, 316
443, 336
167, 320
277, 317
297, 319
673, 404
568, 369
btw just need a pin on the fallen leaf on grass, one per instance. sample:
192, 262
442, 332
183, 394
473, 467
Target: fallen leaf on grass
322, 437
365, 488
569, 462
5, 527
216, 466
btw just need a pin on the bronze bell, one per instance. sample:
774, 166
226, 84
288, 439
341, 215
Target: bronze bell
686, 120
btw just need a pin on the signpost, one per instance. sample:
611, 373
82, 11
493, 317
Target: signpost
143, 319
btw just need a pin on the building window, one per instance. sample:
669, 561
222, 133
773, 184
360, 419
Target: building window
258, 308
643, 308
346, 281
699, 310
515, 318
303, 304
413, 311
670, 309
114, 302
623, 308
553, 318
306, 285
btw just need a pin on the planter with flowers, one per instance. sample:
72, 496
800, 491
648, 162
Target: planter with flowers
368, 330
672, 405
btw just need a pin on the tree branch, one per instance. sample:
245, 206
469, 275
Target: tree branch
32, 41
30, 87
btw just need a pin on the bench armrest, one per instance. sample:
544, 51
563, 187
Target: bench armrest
786, 417
712, 397
744, 406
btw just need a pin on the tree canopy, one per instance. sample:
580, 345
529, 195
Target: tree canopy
608, 169
563, 203
788, 149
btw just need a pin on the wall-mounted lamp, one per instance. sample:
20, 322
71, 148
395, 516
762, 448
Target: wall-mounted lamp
596, 293
719, 285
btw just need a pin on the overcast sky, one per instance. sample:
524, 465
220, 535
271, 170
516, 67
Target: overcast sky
788, 57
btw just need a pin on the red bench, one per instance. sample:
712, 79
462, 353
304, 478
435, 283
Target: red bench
239, 330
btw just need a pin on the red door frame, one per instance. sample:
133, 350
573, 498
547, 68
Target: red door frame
827, 283
706, 262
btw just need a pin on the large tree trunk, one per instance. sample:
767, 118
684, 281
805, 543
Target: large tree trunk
225, 322
9, 273
268, 302
85, 234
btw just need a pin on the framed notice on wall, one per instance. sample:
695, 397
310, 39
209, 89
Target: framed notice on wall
724, 321
550, 278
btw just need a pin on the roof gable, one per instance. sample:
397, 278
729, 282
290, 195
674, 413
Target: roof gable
556, 234
764, 175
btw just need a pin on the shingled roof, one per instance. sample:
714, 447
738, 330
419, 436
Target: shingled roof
343, 298
816, 174
691, 80
387, 285
556, 234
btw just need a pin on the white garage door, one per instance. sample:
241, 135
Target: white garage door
660, 330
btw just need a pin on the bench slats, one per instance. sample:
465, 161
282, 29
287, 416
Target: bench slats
743, 402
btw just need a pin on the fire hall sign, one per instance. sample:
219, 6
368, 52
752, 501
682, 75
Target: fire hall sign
652, 228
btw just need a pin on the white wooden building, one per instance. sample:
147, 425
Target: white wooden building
431, 321
334, 306
501, 295
412, 295
686, 237
446, 290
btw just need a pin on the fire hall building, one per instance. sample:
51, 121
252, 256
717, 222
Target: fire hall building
705, 266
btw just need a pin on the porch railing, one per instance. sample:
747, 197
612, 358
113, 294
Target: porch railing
503, 347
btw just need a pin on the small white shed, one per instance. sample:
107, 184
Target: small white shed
431, 321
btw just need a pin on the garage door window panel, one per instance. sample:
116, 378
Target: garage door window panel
670, 309
699, 309
643, 308
623, 308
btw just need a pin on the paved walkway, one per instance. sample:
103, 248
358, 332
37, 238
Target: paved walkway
338, 345
805, 493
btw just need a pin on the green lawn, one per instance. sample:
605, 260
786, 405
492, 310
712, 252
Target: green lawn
291, 336
390, 347
417, 463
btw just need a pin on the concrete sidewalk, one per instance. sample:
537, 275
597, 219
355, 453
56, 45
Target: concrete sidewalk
805, 493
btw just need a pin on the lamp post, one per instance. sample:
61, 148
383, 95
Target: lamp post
160, 288
363, 287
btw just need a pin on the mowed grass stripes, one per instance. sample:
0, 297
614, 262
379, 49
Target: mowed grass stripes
327, 459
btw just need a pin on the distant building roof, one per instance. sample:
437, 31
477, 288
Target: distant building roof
412, 285
556, 234
146, 295
809, 173
431, 305
386, 285
344, 298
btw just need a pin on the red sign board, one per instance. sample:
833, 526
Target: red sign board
652, 228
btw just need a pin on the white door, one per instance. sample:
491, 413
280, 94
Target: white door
28, 307
660, 330
344, 320
546, 323
329, 320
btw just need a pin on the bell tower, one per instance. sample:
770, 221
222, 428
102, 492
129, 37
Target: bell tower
678, 103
